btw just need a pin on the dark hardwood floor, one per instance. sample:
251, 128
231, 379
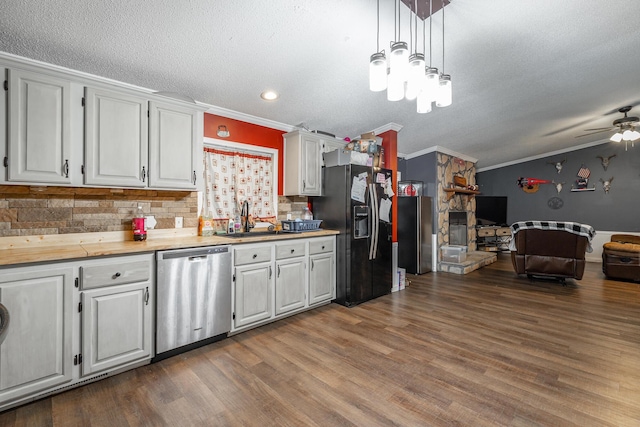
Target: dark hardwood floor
484, 349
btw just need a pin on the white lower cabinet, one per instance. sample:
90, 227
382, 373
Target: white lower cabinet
36, 353
116, 311
274, 279
72, 322
321, 278
115, 326
253, 289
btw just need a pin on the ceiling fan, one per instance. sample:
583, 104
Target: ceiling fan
626, 127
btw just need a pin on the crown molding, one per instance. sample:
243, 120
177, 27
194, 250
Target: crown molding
443, 150
243, 117
541, 156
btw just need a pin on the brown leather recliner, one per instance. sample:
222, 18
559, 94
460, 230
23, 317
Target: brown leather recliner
552, 253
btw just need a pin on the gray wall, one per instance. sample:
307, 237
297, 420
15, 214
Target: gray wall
423, 168
617, 211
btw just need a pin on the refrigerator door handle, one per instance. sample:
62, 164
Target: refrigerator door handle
372, 228
376, 216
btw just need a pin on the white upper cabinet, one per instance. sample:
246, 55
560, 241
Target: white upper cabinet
116, 139
302, 164
39, 123
173, 146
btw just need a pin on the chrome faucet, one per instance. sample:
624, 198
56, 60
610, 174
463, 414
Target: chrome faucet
244, 217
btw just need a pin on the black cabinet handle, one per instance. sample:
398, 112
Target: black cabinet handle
278, 271
115, 276
270, 272
194, 177
255, 256
312, 264
322, 247
144, 174
146, 297
293, 250
65, 168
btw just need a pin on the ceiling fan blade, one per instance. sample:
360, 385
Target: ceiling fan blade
593, 133
599, 129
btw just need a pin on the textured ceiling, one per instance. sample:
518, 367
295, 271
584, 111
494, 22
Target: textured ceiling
528, 75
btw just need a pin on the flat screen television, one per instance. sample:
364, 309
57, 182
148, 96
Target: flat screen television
491, 210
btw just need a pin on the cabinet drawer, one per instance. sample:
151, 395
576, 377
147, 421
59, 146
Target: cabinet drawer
251, 255
320, 246
116, 271
503, 232
486, 232
289, 250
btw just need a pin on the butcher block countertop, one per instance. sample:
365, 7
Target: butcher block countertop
31, 249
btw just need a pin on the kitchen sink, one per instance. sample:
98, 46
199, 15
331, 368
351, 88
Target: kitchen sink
251, 234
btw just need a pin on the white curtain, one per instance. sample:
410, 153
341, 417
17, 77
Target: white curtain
232, 177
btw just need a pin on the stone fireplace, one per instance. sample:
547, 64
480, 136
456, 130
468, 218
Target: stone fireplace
458, 228
456, 214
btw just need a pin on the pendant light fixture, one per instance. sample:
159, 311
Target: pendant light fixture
415, 79
378, 64
445, 92
405, 75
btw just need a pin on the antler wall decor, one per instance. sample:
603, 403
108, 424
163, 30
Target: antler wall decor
606, 184
605, 161
558, 165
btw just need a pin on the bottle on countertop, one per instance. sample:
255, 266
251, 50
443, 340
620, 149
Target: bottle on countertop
232, 226
306, 213
139, 225
238, 223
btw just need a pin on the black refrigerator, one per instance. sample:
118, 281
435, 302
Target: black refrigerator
414, 234
356, 203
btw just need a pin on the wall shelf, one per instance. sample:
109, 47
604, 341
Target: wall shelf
452, 191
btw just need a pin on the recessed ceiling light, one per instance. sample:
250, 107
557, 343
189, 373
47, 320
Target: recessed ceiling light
269, 95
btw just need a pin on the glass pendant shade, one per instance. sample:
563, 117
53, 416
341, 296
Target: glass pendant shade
399, 60
416, 77
378, 72
634, 135
617, 137
444, 97
626, 135
423, 102
432, 82
395, 87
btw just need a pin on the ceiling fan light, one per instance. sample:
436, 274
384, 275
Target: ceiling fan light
444, 96
378, 72
626, 135
416, 76
617, 137
399, 60
634, 135
395, 87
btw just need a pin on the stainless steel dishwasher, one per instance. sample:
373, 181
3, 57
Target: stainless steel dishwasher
193, 298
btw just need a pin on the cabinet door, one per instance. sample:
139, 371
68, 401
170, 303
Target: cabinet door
39, 128
173, 142
116, 326
253, 289
311, 166
322, 278
36, 352
116, 139
290, 285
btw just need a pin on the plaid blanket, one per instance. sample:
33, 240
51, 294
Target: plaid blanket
571, 227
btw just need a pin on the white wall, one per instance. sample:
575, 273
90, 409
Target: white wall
600, 239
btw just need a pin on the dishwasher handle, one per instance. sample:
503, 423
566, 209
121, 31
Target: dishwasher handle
193, 254
198, 258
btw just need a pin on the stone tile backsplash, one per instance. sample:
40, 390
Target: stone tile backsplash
28, 210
